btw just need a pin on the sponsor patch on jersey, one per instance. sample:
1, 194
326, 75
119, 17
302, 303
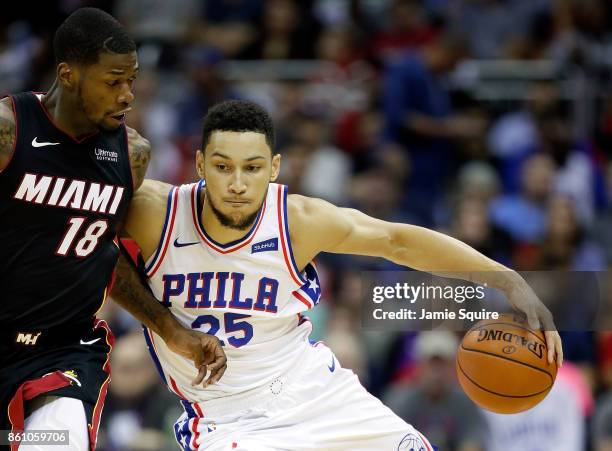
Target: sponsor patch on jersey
106, 155
265, 246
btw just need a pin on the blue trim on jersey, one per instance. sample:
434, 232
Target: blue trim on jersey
185, 432
188, 408
284, 208
163, 234
199, 219
314, 294
145, 330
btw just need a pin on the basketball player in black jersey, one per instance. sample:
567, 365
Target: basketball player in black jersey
68, 169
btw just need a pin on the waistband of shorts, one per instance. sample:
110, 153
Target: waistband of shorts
253, 398
15, 337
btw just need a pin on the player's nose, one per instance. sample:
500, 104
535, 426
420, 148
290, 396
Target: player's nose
237, 185
126, 95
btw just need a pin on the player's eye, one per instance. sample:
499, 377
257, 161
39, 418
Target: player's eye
253, 168
222, 167
112, 83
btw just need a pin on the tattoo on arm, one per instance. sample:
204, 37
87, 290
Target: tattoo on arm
131, 294
140, 154
7, 133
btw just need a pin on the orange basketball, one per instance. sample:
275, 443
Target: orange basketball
502, 365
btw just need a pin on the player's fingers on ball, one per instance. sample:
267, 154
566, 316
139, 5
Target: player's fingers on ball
552, 343
559, 348
547, 319
532, 318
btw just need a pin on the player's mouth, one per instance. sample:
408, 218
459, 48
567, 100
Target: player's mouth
120, 116
237, 203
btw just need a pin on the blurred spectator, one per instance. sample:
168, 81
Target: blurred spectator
473, 226
162, 27
514, 135
323, 161
435, 405
407, 27
204, 88
139, 411
154, 117
523, 215
556, 423
285, 32
602, 424
492, 25
19, 47
418, 115
564, 245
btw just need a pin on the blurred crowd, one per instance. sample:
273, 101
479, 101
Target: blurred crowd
376, 107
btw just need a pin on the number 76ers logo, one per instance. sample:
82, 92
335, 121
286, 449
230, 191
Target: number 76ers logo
412, 442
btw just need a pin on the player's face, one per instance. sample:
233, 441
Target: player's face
237, 168
104, 91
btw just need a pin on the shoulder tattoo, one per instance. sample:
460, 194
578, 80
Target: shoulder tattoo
7, 133
140, 154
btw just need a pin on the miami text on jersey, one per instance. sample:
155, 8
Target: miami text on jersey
75, 194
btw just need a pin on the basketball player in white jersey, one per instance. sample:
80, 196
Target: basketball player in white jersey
232, 255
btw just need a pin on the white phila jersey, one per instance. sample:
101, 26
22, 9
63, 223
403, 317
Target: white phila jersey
249, 293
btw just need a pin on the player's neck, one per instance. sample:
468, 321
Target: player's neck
212, 226
66, 114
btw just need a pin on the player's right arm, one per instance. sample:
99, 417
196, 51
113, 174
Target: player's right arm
317, 226
145, 218
8, 132
144, 223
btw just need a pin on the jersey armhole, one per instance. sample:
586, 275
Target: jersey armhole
154, 262
283, 226
129, 158
16, 137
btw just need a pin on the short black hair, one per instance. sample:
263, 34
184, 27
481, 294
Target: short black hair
238, 116
86, 33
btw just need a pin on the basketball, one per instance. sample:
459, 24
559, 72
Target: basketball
502, 365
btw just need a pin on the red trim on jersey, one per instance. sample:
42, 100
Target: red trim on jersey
281, 229
27, 391
175, 387
127, 146
173, 208
16, 133
302, 299
424, 440
196, 434
198, 409
248, 238
97, 413
78, 141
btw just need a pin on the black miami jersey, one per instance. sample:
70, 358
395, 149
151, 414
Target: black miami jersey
61, 203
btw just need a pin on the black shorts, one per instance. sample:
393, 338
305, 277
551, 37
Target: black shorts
76, 364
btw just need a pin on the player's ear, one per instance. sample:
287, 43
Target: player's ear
66, 76
200, 163
276, 159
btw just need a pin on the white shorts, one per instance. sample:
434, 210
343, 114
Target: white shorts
321, 407
59, 414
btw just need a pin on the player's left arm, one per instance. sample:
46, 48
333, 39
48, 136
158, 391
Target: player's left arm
140, 154
318, 226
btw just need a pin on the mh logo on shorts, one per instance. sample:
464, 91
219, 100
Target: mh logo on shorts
412, 442
27, 339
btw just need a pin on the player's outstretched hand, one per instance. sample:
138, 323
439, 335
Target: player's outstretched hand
204, 350
523, 298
